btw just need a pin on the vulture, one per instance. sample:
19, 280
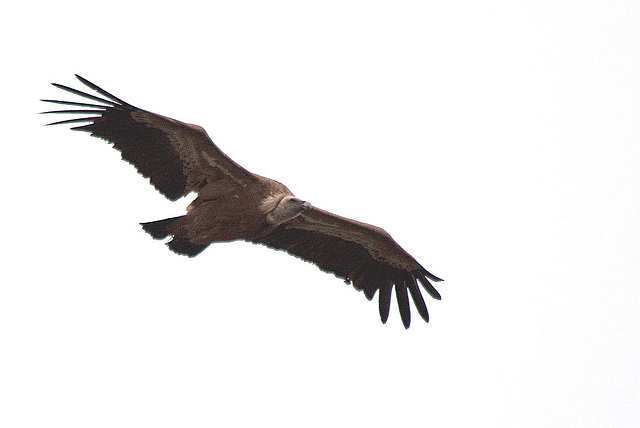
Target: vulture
234, 204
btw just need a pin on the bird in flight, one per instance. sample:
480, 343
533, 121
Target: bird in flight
234, 204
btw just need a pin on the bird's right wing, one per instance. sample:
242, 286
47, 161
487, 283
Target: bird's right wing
177, 157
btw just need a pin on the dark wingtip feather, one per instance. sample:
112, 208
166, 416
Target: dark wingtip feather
427, 286
84, 94
82, 119
403, 303
417, 298
70, 112
74, 103
100, 90
431, 276
384, 301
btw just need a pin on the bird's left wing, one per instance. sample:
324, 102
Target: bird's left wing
177, 157
362, 254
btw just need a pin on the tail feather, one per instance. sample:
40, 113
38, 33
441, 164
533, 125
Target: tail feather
185, 247
160, 229
179, 243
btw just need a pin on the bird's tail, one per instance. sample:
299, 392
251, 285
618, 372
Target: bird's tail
180, 243
160, 229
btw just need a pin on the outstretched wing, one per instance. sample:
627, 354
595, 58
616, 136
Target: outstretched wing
359, 253
177, 157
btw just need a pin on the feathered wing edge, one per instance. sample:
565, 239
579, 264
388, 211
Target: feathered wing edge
352, 262
110, 102
177, 157
148, 149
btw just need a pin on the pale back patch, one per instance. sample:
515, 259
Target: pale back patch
270, 202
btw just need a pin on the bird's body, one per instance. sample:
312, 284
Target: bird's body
240, 213
235, 204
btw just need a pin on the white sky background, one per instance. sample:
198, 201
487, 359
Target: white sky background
496, 141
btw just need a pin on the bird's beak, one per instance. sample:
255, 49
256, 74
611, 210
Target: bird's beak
306, 205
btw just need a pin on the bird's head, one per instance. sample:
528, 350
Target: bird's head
287, 208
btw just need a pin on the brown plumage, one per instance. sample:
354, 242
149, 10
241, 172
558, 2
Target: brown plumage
234, 204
